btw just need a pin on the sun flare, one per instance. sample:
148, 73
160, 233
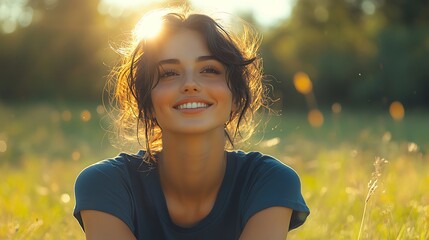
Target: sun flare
149, 26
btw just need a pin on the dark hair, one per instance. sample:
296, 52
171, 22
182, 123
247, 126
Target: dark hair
136, 77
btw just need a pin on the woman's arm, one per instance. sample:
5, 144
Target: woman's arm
271, 223
103, 226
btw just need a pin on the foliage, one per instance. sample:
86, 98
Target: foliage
357, 52
44, 146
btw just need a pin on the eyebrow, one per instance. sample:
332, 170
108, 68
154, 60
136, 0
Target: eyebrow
177, 61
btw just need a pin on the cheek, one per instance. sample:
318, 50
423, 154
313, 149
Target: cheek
156, 100
162, 96
227, 99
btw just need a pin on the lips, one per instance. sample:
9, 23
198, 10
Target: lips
191, 104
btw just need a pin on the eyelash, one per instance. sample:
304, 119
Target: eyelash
210, 69
170, 72
167, 73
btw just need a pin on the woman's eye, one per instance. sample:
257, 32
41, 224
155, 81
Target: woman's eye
167, 73
210, 69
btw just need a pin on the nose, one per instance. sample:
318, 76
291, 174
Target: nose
190, 84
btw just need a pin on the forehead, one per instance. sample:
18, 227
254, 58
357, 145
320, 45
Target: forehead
184, 44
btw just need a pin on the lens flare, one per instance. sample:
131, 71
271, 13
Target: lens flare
302, 83
149, 26
397, 111
315, 118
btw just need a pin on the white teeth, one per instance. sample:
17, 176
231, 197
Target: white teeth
192, 105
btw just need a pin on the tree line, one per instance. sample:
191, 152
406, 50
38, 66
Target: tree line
356, 52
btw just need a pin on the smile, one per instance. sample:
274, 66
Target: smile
192, 105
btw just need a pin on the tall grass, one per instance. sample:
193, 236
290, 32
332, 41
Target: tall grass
44, 146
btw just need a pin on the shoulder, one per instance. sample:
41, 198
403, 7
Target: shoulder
111, 179
107, 186
113, 169
105, 169
267, 182
257, 163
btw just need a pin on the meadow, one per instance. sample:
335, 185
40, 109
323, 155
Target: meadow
356, 162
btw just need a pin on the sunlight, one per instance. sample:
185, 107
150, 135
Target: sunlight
116, 8
14, 14
149, 26
265, 14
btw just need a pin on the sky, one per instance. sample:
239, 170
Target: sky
16, 13
266, 12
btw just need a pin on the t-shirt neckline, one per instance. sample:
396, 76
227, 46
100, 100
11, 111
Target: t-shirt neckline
216, 210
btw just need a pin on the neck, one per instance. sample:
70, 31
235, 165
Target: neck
192, 166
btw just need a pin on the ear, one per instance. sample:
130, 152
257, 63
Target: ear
233, 106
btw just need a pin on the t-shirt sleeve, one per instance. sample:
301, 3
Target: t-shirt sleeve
275, 184
104, 187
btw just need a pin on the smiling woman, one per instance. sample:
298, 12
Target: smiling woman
191, 90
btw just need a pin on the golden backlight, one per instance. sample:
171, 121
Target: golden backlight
149, 26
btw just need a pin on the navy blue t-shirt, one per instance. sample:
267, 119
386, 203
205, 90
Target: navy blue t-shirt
130, 189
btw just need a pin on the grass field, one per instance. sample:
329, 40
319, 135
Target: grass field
44, 146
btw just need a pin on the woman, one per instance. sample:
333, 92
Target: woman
192, 91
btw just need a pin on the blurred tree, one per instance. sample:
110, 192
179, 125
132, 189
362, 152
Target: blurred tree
56, 56
404, 52
65, 54
355, 51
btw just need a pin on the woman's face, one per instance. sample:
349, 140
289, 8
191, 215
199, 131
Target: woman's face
192, 95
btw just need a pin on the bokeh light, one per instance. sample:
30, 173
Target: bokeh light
100, 109
397, 111
412, 147
85, 115
336, 108
387, 136
270, 142
3, 146
315, 118
75, 155
14, 14
65, 198
41, 190
302, 83
66, 115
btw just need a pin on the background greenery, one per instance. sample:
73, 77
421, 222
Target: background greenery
357, 52
361, 55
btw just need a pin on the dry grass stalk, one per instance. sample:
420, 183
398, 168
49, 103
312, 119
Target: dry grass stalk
372, 186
